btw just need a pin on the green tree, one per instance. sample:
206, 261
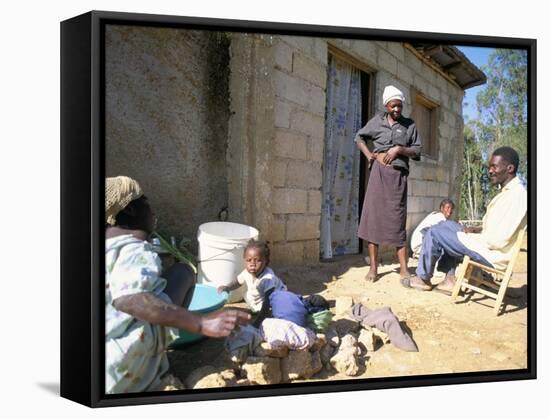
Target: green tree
501, 121
502, 105
473, 178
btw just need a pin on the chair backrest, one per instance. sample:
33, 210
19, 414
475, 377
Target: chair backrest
515, 250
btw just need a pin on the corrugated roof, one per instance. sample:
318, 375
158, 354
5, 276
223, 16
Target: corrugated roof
453, 62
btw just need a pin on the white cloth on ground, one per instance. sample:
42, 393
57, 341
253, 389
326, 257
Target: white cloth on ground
245, 335
279, 332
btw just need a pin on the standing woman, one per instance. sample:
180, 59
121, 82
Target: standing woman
384, 214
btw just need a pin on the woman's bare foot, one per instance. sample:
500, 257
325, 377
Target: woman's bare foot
371, 276
404, 273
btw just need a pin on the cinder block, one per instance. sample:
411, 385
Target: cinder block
420, 84
309, 70
305, 44
434, 93
397, 50
427, 204
278, 228
287, 253
428, 73
303, 227
290, 144
320, 51
304, 174
282, 114
278, 174
442, 83
429, 172
367, 50
420, 188
444, 130
442, 174
413, 62
413, 204
311, 251
308, 123
289, 201
316, 149
405, 73
432, 188
291, 88
444, 191
317, 101
314, 202
387, 61
283, 55
445, 101
411, 183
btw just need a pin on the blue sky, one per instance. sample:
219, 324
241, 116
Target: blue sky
478, 56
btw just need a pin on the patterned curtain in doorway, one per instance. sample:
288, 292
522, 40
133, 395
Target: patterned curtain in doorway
340, 209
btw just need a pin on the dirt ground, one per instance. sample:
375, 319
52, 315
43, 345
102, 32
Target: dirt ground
452, 338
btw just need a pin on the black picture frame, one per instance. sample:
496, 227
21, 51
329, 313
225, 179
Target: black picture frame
82, 208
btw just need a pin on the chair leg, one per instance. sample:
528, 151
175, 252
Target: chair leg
460, 274
501, 293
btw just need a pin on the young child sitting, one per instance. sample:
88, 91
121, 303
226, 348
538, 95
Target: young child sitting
258, 277
264, 290
446, 209
289, 323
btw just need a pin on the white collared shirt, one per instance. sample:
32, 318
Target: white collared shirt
506, 215
431, 219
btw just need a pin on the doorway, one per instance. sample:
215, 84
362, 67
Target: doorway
344, 170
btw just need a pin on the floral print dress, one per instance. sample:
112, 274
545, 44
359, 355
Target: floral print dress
135, 357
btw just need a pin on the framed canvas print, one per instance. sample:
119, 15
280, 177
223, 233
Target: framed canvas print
279, 209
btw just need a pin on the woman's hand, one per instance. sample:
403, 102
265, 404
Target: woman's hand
221, 323
222, 288
392, 154
150, 308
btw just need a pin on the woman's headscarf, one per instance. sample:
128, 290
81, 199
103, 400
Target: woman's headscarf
391, 93
119, 192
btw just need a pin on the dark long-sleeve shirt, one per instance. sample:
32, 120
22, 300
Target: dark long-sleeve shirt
403, 133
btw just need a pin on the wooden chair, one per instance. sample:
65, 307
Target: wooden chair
467, 280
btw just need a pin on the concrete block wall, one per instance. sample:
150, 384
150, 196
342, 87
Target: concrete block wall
430, 180
288, 157
300, 76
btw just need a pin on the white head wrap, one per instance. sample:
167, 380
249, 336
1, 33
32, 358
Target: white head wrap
391, 93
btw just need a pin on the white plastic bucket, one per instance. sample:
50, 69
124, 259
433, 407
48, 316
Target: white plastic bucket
221, 247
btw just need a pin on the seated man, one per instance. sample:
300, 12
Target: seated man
446, 208
448, 242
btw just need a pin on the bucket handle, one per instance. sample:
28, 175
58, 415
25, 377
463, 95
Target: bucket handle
219, 254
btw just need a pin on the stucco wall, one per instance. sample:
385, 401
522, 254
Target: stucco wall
167, 110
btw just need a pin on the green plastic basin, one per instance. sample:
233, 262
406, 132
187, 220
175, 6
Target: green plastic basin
206, 299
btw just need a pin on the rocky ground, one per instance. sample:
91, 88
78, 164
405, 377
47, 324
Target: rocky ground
452, 338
